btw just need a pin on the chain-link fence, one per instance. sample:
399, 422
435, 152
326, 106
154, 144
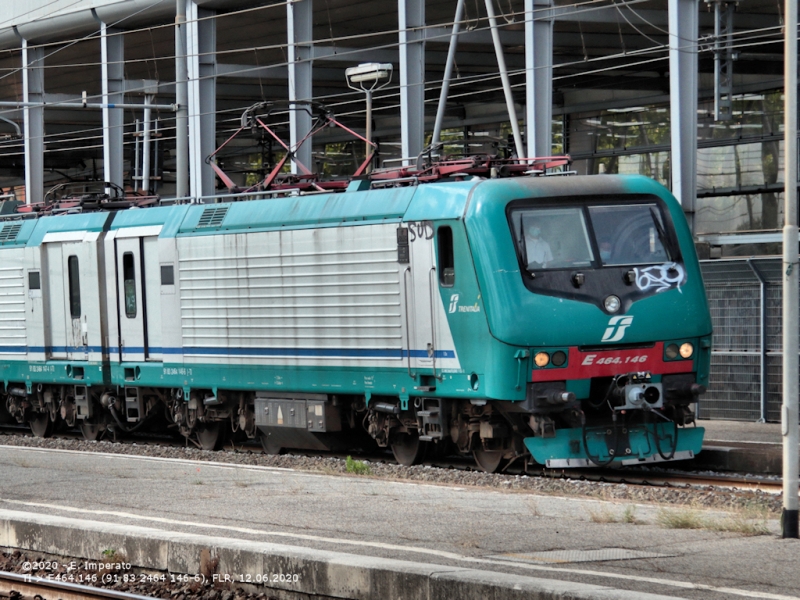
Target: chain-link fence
745, 301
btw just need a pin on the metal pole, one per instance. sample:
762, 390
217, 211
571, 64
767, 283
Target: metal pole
789, 415
448, 73
368, 135
136, 156
155, 156
501, 65
181, 99
717, 57
145, 186
762, 285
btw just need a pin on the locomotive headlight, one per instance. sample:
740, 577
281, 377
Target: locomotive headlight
612, 304
687, 350
542, 359
559, 358
672, 351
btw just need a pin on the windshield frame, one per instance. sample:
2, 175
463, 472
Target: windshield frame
664, 228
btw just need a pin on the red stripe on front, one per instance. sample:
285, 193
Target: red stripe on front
607, 363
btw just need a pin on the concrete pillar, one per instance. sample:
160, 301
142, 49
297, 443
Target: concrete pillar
201, 39
538, 78
112, 74
33, 91
411, 20
683, 26
299, 22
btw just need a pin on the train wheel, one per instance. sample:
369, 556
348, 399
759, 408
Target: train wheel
91, 431
42, 425
488, 460
407, 448
211, 436
270, 447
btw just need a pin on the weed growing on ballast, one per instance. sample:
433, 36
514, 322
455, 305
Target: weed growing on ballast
357, 467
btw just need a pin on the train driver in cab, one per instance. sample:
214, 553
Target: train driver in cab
538, 250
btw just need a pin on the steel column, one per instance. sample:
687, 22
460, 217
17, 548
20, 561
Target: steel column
683, 19
538, 77
762, 297
144, 185
411, 20
299, 22
201, 40
789, 411
112, 72
181, 99
33, 91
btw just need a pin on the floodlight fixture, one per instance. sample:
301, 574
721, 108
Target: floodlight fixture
368, 77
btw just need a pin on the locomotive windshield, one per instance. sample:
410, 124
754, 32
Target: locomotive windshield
549, 237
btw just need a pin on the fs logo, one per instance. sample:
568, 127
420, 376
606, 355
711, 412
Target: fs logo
453, 303
616, 328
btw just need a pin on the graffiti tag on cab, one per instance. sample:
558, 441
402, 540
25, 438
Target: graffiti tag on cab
420, 230
661, 277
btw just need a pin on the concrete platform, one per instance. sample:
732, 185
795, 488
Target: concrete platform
355, 537
741, 431
743, 447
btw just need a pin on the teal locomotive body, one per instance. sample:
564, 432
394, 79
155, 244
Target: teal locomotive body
556, 320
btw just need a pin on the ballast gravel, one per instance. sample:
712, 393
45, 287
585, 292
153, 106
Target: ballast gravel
698, 496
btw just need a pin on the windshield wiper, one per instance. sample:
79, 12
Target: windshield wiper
666, 241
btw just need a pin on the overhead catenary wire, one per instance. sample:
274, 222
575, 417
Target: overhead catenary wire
593, 5
461, 83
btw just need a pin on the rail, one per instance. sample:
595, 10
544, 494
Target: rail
32, 586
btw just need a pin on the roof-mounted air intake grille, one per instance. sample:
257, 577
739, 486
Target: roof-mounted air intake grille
213, 217
9, 232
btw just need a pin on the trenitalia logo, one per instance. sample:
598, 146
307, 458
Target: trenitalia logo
453, 303
616, 328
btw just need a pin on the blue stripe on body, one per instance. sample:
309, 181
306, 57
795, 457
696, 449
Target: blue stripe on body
241, 352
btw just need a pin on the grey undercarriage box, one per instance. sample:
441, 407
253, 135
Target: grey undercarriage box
311, 412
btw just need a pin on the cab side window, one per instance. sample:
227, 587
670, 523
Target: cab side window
73, 274
129, 282
447, 271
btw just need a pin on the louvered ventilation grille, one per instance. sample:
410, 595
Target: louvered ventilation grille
9, 232
213, 217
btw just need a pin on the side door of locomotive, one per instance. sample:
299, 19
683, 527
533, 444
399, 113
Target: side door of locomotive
139, 309
421, 294
71, 273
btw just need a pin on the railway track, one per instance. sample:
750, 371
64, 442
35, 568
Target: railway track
24, 587
672, 478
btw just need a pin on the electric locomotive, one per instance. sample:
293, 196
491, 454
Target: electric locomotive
559, 321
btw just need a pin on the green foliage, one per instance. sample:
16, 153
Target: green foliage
357, 467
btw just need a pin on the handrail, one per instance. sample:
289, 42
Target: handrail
408, 329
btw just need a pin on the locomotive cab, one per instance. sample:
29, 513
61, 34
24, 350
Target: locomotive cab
597, 282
